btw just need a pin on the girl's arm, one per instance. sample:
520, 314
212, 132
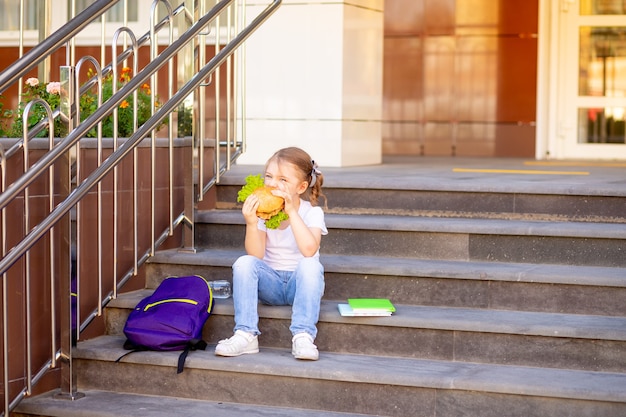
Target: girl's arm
307, 238
255, 239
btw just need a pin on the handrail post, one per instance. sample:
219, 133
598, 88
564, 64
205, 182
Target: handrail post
189, 185
194, 170
67, 309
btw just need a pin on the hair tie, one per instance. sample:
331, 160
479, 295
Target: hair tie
314, 173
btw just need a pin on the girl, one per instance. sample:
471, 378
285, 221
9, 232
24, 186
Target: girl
282, 265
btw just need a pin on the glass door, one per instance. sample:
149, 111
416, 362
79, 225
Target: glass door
593, 83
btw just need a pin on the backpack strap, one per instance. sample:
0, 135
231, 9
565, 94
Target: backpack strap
194, 344
128, 353
130, 346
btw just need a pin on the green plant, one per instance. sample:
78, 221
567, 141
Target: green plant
185, 126
89, 103
33, 89
12, 122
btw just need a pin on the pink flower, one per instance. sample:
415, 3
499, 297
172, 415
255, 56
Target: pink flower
33, 82
53, 88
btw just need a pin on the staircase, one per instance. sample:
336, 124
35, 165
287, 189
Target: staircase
509, 291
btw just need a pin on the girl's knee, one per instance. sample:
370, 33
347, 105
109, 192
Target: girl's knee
311, 265
244, 261
310, 274
244, 266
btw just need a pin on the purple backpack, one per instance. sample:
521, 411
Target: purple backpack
171, 318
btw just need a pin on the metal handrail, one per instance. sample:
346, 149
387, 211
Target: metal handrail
40, 52
103, 111
109, 164
20, 68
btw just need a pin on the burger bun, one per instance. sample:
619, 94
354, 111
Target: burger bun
269, 204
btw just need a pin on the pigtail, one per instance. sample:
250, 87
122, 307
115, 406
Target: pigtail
316, 191
316, 180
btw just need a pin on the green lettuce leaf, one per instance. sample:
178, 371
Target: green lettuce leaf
275, 221
252, 183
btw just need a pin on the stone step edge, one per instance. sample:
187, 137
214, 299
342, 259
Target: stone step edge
503, 379
445, 225
557, 325
447, 214
96, 403
408, 267
335, 178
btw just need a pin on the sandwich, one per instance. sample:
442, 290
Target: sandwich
270, 206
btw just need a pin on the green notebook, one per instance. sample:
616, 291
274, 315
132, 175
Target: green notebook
346, 310
369, 304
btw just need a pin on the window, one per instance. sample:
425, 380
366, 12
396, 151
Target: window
116, 13
10, 14
604, 7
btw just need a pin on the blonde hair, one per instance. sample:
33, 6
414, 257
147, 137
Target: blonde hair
307, 169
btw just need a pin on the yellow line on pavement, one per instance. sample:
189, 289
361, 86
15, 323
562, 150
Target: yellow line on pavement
577, 164
520, 171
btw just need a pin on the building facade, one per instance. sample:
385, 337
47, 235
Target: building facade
540, 79
353, 81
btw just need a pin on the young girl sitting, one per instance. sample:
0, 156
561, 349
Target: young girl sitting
282, 265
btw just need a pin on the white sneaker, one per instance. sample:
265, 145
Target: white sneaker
241, 342
302, 347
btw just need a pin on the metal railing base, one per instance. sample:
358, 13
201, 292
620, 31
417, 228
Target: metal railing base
69, 396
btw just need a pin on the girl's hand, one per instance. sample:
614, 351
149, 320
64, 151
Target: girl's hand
255, 239
281, 190
249, 209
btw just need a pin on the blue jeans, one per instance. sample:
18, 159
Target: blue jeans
254, 281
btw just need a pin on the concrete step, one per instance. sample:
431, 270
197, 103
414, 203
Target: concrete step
539, 242
549, 340
420, 196
96, 403
373, 385
490, 285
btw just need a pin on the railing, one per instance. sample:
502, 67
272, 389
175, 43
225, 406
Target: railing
118, 201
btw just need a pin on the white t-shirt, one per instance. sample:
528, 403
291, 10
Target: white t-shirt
281, 249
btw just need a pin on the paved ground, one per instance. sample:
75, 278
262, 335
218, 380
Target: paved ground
478, 174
